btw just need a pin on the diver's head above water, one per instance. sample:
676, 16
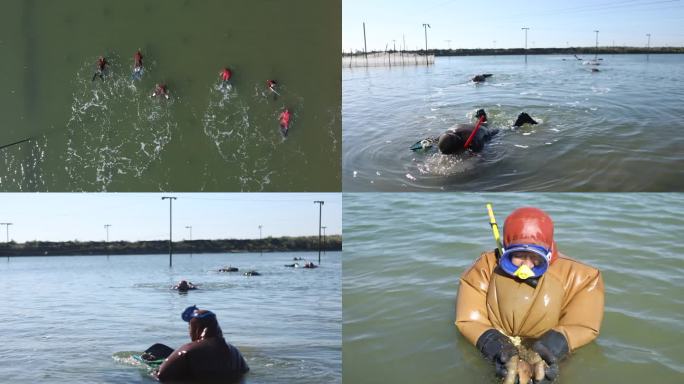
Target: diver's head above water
202, 323
529, 247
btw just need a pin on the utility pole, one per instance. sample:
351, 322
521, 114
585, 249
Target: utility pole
324, 227
425, 27
525, 29
320, 212
171, 199
106, 227
365, 50
261, 247
596, 54
190, 228
7, 228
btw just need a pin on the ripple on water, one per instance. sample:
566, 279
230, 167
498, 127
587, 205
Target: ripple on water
115, 129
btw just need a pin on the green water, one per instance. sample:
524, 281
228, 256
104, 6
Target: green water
404, 253
111, 136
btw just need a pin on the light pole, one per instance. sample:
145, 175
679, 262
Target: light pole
261, 247
190, 228
7, 229
425, 27
365, 50
171, 199
596, 54
320, 212
525, 29
106, 227
324, 227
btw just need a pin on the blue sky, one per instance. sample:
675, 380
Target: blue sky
479, 24
144, 216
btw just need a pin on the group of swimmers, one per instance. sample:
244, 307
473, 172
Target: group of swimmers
161, 90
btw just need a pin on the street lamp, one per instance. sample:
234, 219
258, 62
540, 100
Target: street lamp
261, 247
7, 229
320, 212
425, 27
596, 55
324, 239
171, 199
525, 29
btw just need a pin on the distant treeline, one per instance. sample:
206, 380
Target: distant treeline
536, 51
270, 244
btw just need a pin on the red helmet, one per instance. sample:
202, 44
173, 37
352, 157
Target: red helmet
529, 225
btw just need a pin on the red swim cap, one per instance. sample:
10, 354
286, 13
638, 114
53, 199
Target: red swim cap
529, 225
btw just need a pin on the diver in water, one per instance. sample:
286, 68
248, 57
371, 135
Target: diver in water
161, 90
225, 76
207, 357
137, 64
473, 137
531, 291
284, 120
184, 286
272, 84
481, 78
100, 68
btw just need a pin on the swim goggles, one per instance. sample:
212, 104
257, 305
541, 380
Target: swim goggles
191, 313
524, 272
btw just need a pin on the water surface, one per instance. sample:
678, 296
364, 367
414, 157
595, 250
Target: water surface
65, 319
619, 129
110, 135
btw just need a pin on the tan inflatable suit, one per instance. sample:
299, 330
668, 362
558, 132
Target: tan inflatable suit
568, 299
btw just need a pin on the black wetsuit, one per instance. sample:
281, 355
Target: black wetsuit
209, 360
453, 140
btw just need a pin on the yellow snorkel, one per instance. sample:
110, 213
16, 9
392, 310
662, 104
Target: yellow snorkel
495, 229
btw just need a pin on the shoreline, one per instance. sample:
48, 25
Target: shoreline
531, 51
160, 247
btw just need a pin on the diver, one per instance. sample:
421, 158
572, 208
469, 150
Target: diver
101, 68
252, 273
161, 90
529, 290
310, 264
272, 84
184, 286
294, 265
207, 357
284, 120
137, 65
481, 78
228, 269
225, 75
462, 137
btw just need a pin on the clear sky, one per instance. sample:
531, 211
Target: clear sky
490, 23
144, 216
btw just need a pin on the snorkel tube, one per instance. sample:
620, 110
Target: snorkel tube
495, 229
472, 135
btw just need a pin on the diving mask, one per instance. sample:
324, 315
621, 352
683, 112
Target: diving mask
191, 313
524, 272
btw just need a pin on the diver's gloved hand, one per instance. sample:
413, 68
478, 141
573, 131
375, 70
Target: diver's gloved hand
497, 348
552, 347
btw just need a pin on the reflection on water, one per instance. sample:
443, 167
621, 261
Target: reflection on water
404, 254
603, 131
